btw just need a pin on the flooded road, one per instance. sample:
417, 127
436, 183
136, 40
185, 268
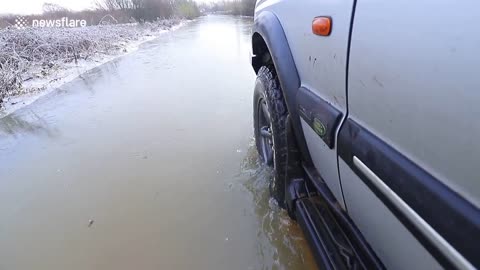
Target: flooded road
146, 162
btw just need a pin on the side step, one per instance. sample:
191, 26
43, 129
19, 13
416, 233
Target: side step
328, 239
332, 248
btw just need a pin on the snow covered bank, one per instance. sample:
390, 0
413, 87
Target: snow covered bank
35, 61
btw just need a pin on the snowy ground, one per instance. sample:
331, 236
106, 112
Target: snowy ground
33, 62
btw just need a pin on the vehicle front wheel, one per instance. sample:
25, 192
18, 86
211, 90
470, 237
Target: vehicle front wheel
270, 114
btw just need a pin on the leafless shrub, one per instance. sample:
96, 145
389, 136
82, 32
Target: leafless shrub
36, 52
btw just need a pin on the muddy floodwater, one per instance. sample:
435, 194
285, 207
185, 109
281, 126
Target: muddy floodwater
146, 162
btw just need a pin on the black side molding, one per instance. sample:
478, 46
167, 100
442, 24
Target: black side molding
450, 215
320, 115
268, 26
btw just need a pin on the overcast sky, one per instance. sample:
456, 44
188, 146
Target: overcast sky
35, 6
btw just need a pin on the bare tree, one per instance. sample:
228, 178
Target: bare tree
114, 4
49, 8
141, 10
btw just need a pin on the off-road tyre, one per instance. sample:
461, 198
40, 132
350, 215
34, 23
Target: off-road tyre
268, 92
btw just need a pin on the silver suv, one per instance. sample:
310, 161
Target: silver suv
367, 111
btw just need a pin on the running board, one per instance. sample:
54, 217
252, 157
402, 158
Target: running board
328, 239
331, 247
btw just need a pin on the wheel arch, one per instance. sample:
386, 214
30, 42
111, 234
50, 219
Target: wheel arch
270, 48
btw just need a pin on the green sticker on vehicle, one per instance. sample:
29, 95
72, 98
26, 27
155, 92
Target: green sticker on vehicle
319, 128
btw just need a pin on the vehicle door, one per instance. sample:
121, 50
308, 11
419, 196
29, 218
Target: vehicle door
408, 151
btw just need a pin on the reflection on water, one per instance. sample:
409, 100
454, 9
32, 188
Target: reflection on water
29, 122
107, 70
287, 248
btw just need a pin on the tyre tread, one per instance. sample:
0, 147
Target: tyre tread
278, 114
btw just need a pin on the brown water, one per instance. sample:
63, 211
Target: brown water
146, 162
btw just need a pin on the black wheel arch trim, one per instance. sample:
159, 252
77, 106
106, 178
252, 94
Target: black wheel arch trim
268, 26
449, 214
